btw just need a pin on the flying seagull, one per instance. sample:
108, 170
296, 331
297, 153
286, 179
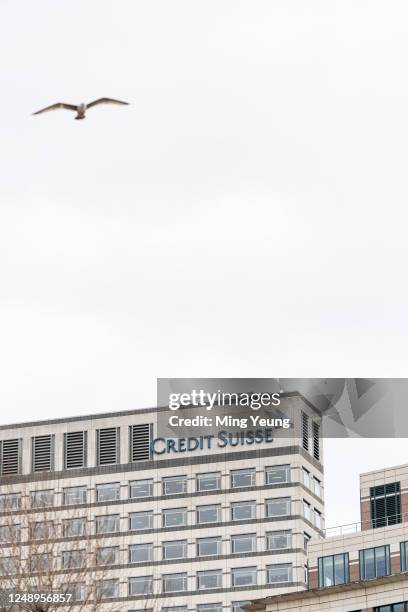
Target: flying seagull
80, 109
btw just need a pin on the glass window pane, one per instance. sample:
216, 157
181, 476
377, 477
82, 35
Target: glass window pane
141, 520
243, 478
328, 571
74, 495
140, 552
216, 607
277, 474
243, 510
278, 507
245, 576
208, 546
174, 484
174, 517
140, 585
108, 492
276, 540
208, 514
369, 567
380, 562
279, 573
209, 579
339, 569
175, 550
243, 543
209, 482
174, 583
141, 488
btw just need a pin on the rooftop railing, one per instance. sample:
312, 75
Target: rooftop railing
351, 528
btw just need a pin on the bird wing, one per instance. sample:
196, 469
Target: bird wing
105, 101
55, 106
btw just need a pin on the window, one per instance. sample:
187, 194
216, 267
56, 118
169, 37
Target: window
140, 585
75, 449
404, 556
139, 553
107, 555
209, 482
175, 550
174, 609
172, 583
374, 562
216, 607
141, 520
238, 606
307, 512
278, 540
174, 517
108, 492
244, 576
10, 501
209, 546
10, 457
243, 478
280, 506
174, 484
243, 543
399, 607
107, 446
141, 488
42, 499
306, 477
306, 539
40, 562
140, 442
108, 523
10, 534
318, 518
241, 511
42, 453
277, 474
76, 588
317, 487
305, 431
210, 579
74, 495
42, 530
280, 572
333, 570
9, 565
385, 503
107, 589
74, 527
71, 559
209, 514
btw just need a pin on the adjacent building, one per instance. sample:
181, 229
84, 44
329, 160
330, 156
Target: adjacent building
190, 526
362, 567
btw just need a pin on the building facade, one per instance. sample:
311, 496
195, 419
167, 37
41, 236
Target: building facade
204, 530
361, 567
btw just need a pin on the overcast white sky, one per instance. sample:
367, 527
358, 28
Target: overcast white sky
245, 216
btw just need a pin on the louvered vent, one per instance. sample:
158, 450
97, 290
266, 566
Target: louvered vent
140, 436
75, 453
305, 431
316, 441
108, 446
10, 457
385, 501
43, 453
